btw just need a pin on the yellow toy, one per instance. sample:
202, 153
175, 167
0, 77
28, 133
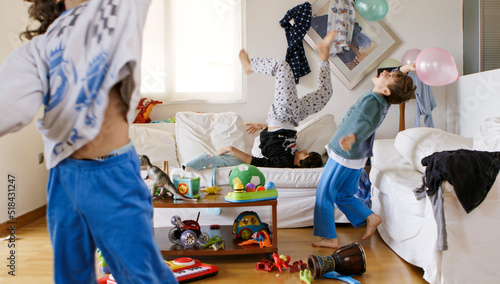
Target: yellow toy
211, 190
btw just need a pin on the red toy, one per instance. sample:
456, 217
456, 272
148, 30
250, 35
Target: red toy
185, 270
298, 266
145, 107
264, 265
186, 232
281, 261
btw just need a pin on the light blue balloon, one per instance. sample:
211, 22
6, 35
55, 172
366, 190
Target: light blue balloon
372, 10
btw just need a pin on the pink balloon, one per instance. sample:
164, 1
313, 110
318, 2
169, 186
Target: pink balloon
410, 56
436, 67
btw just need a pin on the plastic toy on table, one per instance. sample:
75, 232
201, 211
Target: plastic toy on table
247, 223
188, 187
186, 232
211, 190
261, 238
241, 194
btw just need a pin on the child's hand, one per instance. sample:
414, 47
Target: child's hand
407, 68
347, 141
254, 127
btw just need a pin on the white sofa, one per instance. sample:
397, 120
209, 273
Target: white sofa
409, 227
194, 133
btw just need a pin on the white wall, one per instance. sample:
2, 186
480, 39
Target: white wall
19, 151
417, 23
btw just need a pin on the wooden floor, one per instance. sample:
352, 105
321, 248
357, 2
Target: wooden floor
34, 259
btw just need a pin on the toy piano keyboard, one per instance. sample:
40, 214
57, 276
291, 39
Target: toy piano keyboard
185, 270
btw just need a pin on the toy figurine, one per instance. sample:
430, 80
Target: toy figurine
281, 261
211, 190
144, 109
305, 276
161, 180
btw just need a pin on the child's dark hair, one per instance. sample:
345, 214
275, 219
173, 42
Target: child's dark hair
402, 91
313, 160
45, 12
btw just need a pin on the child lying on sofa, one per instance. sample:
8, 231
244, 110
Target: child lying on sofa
278, 138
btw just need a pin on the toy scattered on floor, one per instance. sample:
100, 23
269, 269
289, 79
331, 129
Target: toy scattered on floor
242, 194
281, 261
102, 263
144, 109
298, 266
161, 180
247, 223
264, 265
187, 232
244, 174
305, 276
346, 278
185, 270
347, 260
211, 190
188, 187
261, 238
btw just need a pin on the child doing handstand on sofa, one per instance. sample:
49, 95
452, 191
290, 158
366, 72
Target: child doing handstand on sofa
278, 138
348, 151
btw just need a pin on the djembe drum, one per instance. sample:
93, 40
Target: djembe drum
347, 260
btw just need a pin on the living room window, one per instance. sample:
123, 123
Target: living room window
190, 51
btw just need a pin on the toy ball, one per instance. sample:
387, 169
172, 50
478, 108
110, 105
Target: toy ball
410, 56
390, 62
436, 67
238, 186
269, 185
261, 188
250, 187
245, 174
372, 10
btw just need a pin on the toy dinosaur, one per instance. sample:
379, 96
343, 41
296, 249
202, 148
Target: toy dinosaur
161, 180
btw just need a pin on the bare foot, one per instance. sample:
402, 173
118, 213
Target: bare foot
327, 243
245, 62
324, 45
371, 225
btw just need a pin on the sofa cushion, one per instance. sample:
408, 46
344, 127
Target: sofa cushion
414, 144
196, 133
312, 135
487, 138
158, 145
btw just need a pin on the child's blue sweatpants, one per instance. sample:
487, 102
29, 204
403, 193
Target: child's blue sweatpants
104, 204
337, 185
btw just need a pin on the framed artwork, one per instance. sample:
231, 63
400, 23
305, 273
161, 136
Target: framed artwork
371, 43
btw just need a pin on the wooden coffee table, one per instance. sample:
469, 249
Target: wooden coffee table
231, 243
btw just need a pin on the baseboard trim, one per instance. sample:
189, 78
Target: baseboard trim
23, 220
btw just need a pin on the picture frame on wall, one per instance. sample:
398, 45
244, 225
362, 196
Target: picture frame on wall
371, 44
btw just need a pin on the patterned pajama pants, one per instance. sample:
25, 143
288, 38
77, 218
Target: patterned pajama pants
288, 108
